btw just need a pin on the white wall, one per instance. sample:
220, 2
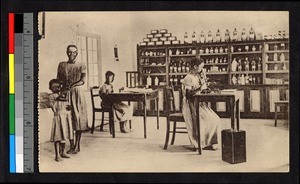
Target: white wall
127, 29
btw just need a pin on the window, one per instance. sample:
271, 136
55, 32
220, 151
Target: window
89, 53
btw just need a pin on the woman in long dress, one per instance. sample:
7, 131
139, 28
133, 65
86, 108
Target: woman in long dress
72, 75
123, 111
193, 83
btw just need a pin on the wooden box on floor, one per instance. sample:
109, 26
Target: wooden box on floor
233, 146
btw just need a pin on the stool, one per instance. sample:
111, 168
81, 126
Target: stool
279, 104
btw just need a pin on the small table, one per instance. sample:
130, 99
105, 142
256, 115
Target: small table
279, 104
216, 97
137, 97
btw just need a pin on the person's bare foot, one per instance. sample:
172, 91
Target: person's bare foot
58, 159
65, 155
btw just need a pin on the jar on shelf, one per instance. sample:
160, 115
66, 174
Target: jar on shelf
282, 57
207, 50
221, 50
216, 50
226, 49
267, 47
253, 48
282, 46
275, 57
211, 51
246, 48
275, 47
232, 48
234, 65
202, 37
234, 80
284, 66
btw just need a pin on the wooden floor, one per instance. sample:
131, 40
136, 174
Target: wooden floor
267, 151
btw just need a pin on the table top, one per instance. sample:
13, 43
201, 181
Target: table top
133, 96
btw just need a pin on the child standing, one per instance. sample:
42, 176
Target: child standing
62, 124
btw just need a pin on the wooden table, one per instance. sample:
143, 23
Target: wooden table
216, 97
137, 97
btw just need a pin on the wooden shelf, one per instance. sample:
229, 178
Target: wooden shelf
184, 55
154, 74
207, 64
147, 66
152, 56
217, 73
277, 71
213, 54
247, 72
274, 62
178, 73
277, 51
243, 53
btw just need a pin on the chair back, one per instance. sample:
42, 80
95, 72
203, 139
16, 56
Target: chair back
169, 99
95, 93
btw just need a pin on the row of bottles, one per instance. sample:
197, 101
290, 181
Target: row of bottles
220, 37
153, 53
246, 48
246, 65
182, 51
274, 57
215, 69
281, 35
275, 47
242, 79
154, 81
276, 67
179, 67
274, 81
212, 50
216, 60
176, 80
147, 61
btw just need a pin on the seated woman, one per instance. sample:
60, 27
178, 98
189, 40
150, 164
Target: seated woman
123, 111
195, 82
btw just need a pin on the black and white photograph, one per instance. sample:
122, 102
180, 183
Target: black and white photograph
163, 91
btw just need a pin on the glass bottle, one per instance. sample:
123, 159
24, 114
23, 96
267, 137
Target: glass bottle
209, 37
177, 52
225, 60
282, 46
187, 68
275, 57
282, 57
194, 37
240, 65
183, 67
175, 68
260, 47
267, 47
275, 67
206, 50
284, 66
240, 49
242, 79
253, 80
156, 81
251, 34
234, 65
246, 79
253, 48
211, 50
235, 35
221, 60
218, 36
267, 57
232, 48
246, 64
239, 79
171, 67
253, 65
201, 50
170, 52
226, 49
202, 37
216, 50
227, 36
185, 38
246, 48
149, 81
221, 50
171, 80
181, 79
179, 67
217, 60
234, 79
275, 47
244, 35
175, 81
250, 79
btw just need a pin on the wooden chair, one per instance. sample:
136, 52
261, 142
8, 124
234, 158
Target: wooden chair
95, 94
172, 115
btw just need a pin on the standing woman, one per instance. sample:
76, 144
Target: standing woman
73, 75
193, 83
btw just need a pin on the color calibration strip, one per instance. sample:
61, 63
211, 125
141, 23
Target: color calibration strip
21, 93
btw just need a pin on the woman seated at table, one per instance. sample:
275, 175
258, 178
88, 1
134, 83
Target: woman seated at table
193, 83
123, 111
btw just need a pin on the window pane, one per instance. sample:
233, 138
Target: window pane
95, 57
83, 56
96, 70
96, 83
91, 70
90, 44
95, 44
90, 56
83, 42
91, 81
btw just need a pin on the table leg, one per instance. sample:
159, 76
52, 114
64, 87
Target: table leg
275, 115
145, 118
237, 114
232, 113
156, 103
198, 126
130, 119
112, 121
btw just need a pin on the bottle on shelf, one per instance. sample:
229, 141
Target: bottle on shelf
202, 37
171, 80
171, 67
170, 52
175, 81
232, 48
250, 79
156, 81
284, 66
259, 64
194, 37
149, 81
246, 64
240, 49
225, 60
246, 48
221, 50
253, 48
246, 79
211, 51
253, 80
218, 36
179, 67
183, 67
253, 65
187, 68
227, 36
267, 47
234, 35
221, 60
226, 49
267, 57
209, 37
217, 60
185, 38
240, 65
201, 50
239, 79
275, 47
181, 79
189, 51
266, 67
244, 35
234, 80
234, 65
194, 51
282, 46
216, 50
258, 80
275, 67
260, 48
177, 52
175, 68
275, 57
242, 79
251, 34
282, 57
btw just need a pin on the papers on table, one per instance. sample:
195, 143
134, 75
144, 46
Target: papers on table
137, 90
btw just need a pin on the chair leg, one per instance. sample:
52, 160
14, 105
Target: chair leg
130, 124
275, 115
174, 133
167, 135
93, 123
102, 122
